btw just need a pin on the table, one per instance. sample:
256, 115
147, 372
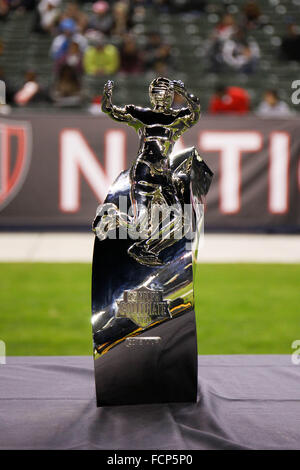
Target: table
244, 402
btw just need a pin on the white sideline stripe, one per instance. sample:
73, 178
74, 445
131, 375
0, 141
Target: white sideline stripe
217, 248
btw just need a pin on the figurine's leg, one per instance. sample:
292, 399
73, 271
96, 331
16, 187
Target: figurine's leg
165, 223
170, 228
142, 196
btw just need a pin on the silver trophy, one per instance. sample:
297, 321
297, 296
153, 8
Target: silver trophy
147, 238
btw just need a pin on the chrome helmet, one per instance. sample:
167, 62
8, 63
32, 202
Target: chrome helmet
161, 92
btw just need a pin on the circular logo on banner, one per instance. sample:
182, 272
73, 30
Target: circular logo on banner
15, 155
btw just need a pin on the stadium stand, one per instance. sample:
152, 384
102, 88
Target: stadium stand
187, 32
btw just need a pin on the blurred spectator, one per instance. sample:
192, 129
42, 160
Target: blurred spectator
251, 14
193, 6
49, 12
222, 32
121, 18
4, 9
157, 54
31, 91
72, 57
163, 61
22, 5
180, 6
9, 92
229, 100
100, 58
95, 106
130, 56
67, 89
272, 106
163, 6
225, 28
101, 20
290, 46
73, 12
69, 33
240, 53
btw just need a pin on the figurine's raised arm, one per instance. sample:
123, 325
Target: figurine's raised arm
192, 101
116, 112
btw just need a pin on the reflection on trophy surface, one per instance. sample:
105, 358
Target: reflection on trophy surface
151, 284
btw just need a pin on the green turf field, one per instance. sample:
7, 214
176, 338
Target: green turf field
242, 308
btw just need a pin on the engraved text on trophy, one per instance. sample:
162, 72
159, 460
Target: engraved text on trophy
143, 306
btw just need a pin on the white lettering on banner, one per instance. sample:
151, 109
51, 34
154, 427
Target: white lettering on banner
230, 145
79, 162
279, 172
78, 159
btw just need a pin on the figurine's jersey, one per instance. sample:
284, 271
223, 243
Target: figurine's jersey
158, 132
162, 129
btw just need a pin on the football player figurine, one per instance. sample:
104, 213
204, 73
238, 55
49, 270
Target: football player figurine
151, 179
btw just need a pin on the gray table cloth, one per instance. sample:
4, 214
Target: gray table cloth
244, 402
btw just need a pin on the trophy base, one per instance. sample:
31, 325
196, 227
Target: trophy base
138, 363
158, 366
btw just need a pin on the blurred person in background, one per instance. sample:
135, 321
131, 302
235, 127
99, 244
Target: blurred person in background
290, 45
251, 13
95, 106
163, 6
31, 91
154, 41
9, 91
48, 15
215, 43
73, 12
67, 89
225, 28
68, 33
229, 100
163, 62
121, 18
180, 6
157, 54
101, 19
191, 6
240, 53
73, 58
21, 6
272, 106
130, 56
100, 58
4, 10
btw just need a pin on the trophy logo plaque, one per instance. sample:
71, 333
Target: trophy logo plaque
147, 237
143, 306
